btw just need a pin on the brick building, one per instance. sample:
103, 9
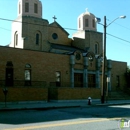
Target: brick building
42, 63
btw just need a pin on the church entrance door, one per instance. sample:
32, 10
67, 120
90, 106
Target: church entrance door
78, 79
91, 80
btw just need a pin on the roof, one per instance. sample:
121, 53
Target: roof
65, 47
59, 27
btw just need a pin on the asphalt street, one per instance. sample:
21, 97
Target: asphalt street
79, 118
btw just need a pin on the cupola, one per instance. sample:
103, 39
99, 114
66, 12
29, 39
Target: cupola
30, 8
87, 21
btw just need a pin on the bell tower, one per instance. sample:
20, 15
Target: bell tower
30, 8
87, 21
87, 35
27, 32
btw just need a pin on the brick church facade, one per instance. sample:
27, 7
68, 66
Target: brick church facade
41, 63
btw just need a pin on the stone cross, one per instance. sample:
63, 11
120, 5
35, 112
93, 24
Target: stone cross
86, 9
54, 18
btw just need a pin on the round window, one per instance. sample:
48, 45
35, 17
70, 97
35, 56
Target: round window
54, 36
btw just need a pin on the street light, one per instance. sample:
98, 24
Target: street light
104, 57
120, 17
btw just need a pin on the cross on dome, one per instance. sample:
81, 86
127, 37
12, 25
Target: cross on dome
54, 18
86, 9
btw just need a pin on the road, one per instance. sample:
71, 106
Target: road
80, 118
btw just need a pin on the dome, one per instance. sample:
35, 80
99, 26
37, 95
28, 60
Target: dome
30, 8
87, 21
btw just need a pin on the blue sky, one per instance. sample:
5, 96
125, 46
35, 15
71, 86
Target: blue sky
67, 12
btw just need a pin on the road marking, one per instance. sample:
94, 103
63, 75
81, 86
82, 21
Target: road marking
63, 124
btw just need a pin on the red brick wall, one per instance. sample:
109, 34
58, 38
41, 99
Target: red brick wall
66, 93
43, 65
16, 94
118, 69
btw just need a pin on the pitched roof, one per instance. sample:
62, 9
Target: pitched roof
58, 25
65, 47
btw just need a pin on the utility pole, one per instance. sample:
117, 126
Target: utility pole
104, 64
104, 57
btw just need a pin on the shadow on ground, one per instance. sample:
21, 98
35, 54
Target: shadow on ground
38, 116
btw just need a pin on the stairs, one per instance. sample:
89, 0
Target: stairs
118, 95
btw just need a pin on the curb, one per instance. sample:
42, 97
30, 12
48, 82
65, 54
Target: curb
57, 107
37, 108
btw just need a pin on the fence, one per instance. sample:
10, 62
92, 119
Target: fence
21, 83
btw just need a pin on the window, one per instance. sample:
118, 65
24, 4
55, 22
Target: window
79, 23
86, 23
26, 7
16, 39
9, 80
58, 78
37, 39
27, 74
93, 23
118, 81
96, 48
54, 36
35, 8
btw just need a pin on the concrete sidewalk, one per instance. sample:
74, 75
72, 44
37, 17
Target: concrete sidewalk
57, 104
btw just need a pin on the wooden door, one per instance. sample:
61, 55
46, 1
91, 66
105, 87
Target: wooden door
78, 80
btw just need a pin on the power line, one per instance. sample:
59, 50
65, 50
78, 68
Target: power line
118, 38
34, 23
116, 41
5, 29
55, 27
120, 25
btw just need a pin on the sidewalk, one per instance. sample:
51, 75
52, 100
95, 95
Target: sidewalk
57, 104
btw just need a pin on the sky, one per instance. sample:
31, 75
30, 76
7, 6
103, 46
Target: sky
67, 12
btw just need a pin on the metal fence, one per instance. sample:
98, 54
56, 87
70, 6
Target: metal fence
21, 83
68, 84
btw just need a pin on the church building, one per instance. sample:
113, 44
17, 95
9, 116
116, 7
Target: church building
43, 63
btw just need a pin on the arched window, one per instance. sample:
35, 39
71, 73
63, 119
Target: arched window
93, 23
38, 38
58, 78
79, 23
16, 38
35, 8
27, 74
86, 22
96, 48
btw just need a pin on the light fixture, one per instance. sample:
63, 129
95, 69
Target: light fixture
122, 17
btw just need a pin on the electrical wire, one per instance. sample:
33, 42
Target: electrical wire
118, 38
55, 27
5, 29
119, 25
34, 23
116, 41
